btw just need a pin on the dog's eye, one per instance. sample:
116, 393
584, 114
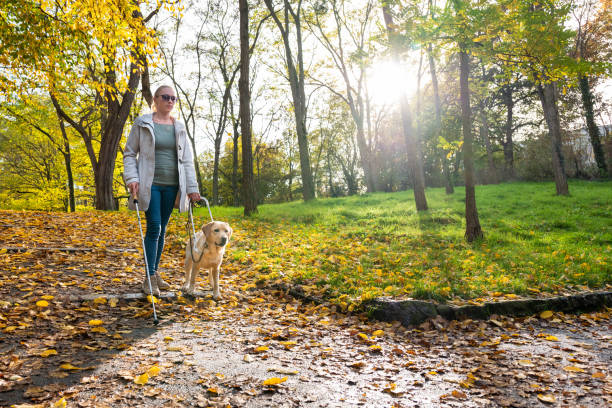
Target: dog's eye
217, 230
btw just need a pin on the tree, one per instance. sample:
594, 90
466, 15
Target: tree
101, 47
347, 45
593, 44
248, 182
292, 17
412, 146
535, 42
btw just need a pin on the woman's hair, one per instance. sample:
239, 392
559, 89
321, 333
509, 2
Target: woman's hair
158, 92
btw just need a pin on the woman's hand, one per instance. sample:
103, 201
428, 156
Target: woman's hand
133, 187
194, 197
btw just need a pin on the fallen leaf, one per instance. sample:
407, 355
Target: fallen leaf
95, 322
378, 333
547, 314
141, 379
459, 394
48, 353
574, 369
552, 338
274, 381
548, 398
153, 371
599, 375
61, 403
69, 366
526, 363
42, 303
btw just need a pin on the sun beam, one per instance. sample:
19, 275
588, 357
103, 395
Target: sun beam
387, 80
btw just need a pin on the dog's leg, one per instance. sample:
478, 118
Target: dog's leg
192, 278
188, 266
214, 274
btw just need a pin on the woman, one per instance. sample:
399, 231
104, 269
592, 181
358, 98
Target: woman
158, 168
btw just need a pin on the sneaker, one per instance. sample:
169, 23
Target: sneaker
161, 284
145, 286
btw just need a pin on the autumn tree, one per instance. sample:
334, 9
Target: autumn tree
248, 182
288, 16
412, 144
100, 48
346, 40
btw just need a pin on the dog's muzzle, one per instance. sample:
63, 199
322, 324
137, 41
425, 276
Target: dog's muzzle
222, 243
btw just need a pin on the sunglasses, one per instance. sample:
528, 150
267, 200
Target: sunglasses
169, 98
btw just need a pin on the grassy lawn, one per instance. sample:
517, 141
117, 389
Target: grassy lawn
356, 248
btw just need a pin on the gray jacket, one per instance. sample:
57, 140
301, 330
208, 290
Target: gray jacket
139, 162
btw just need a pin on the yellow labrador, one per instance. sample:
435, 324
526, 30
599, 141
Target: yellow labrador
208, 250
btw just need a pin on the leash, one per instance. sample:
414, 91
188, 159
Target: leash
192, 229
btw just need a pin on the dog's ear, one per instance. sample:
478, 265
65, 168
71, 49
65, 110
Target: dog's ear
230, 230
207, 229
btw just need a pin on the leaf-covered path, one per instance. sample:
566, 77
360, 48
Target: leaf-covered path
255, 347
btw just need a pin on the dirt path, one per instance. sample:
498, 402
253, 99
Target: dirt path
207, 353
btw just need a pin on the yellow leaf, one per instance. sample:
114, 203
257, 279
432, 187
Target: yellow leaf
375, 347
168, 338
154, 299
261, 349
274, 381
363, 336
48, 353
213, 390
95, 322
42, 303
141, 379
574, 369
288, 344
60, 403
551, 338
100, 301
599, 375
69, 366
547, 314
112, 302
3, 251
549, 398
47, 297
526, 363
99, 329
378, 333
153, 371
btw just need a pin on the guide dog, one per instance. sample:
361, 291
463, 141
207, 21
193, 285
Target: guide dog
207, 253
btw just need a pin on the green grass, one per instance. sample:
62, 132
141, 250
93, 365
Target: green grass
355, 248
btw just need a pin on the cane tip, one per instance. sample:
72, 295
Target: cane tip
156, 322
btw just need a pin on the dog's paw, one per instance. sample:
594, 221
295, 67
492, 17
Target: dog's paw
217, 296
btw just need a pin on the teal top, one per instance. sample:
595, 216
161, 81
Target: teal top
166, 159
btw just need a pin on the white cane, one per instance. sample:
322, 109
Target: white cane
144, 252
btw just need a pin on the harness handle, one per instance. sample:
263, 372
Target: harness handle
192, 229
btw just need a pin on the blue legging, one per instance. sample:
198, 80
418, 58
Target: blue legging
158, 215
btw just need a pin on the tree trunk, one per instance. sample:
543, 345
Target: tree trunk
548, 97
248, 184
296, 81
473, 230
67, 160
412, 147
448, 183
235, 190
587, 103
215, 186
508, 143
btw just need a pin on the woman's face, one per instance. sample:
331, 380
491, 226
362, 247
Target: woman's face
164, 102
